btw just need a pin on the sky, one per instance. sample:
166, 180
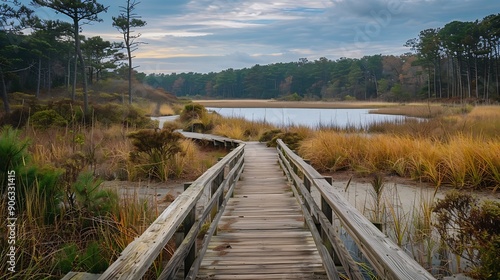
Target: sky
213, 35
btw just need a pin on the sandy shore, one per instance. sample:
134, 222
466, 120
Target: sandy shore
269, 103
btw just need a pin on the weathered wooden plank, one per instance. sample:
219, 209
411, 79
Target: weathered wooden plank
264, 268
262, 232
275, 276
81, 276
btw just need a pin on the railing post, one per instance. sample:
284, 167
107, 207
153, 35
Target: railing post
327, 210
179, 234
213, 189
307, 185
188, 223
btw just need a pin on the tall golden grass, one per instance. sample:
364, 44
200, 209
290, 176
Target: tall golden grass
237, 127
463, 161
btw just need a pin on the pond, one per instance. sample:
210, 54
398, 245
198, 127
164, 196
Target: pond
314, 118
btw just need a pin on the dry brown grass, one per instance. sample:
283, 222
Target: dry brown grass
418, 110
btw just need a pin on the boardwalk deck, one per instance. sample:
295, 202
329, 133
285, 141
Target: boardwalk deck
262, 233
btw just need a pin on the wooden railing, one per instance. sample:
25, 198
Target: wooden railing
331, 212
218, 184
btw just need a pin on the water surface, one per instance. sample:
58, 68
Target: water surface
314, 118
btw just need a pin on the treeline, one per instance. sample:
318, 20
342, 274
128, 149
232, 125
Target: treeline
389, 77
459, 61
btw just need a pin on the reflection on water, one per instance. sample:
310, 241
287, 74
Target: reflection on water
314, 118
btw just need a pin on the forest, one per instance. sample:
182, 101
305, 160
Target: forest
458, 61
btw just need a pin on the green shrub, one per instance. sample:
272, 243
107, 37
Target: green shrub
91, 198
43, 186
291, 139
47, 118
128, 115
13, 153
18, 117
192, 112
92, 260
68, 109
349, 98
292, 97
153, 149
269, 135
71, 258
67, 258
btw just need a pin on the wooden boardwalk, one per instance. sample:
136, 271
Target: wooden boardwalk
261, 230
262, 234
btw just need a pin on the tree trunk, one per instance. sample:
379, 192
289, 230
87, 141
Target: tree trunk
49, 77
68, 78
477, 78
3, 92
130, 69
440, 80
75, 73
82, 62
84, 75
37, 95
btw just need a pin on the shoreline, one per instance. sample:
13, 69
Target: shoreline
269, 103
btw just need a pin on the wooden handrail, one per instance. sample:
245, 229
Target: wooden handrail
138, 256
387, 259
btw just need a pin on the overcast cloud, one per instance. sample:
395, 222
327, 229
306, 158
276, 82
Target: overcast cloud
213, 35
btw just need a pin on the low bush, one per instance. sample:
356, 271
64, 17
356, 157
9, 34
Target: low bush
192, 112
153, 149
470, 230
47, 118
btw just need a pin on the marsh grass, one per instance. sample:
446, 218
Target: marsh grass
479, 121
417, 110
397, 218
161, 109
239, 128
376, 193
462, 161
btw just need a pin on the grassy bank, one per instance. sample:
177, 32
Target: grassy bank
65, 220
